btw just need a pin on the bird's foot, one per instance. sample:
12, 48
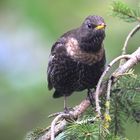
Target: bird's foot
55, 114
67, 110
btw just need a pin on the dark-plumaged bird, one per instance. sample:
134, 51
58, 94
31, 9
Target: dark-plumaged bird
77, 59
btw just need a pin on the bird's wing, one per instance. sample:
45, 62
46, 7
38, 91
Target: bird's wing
58, 49
49, 69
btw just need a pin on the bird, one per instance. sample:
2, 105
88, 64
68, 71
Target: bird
77, 59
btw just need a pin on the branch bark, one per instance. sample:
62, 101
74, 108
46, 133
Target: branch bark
132, 32
102, 77
135, 58
81, 108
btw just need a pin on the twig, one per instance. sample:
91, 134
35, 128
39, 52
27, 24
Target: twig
135, 58
54, 114
108, 96
58, 129
60, 116
107, 117
101, 79
108, 89
132, 32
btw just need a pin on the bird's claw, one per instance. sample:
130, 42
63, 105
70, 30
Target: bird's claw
67, 110
55, 114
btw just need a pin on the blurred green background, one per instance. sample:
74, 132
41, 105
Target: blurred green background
28, 28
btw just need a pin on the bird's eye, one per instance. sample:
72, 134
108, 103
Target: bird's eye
89, 25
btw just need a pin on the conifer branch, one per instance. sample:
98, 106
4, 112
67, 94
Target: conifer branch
124, 12
81, 108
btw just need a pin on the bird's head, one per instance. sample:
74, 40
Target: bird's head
92, 32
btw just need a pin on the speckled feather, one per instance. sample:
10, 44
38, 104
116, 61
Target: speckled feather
77, 59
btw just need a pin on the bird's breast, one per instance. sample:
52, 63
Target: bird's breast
74, 51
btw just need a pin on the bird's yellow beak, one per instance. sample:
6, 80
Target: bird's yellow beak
101, 26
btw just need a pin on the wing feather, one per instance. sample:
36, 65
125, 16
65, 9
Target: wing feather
57, 49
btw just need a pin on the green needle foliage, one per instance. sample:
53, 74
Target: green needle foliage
123, 11
85, 129
81, 131
125, 104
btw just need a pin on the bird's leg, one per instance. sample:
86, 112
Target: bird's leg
65, 104
91, 99
66, 109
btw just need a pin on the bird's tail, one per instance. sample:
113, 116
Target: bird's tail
57, 94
